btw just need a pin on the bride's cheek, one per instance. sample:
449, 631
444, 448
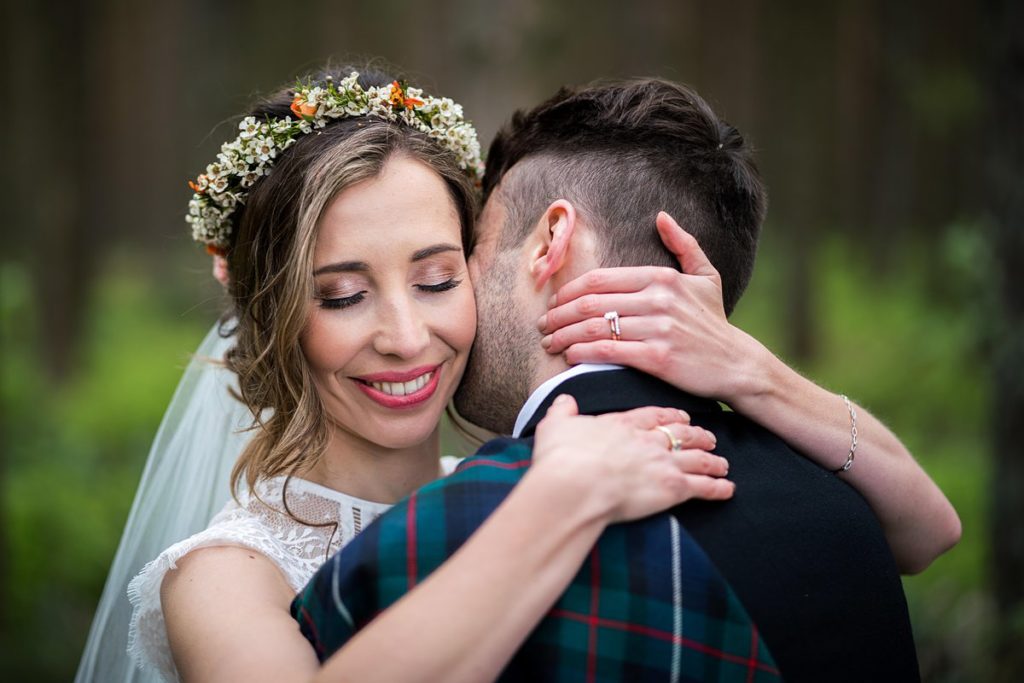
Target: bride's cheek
323, 341
463, 320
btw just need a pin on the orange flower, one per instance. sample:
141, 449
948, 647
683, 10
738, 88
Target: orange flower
301, 108
195, 187
398, 98
214, 250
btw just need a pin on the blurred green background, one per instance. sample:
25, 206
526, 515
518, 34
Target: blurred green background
890, 135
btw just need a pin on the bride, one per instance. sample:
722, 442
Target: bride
344, 210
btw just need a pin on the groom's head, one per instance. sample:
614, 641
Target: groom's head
575, 184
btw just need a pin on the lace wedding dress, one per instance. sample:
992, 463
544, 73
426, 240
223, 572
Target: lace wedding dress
258, 522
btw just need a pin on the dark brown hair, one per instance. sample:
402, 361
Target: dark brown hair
622, 151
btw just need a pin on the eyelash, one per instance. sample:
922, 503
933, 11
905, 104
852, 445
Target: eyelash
345, 302
441, 286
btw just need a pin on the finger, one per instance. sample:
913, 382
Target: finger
594, 306
692, 436
641, 355
605, 281
649, 417
634, 328
709, 488
693, 461
685, 247
564, 405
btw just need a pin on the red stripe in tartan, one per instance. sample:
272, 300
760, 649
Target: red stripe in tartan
663, 635
595, 596
753, 656
311, 625
517, 465
410, 542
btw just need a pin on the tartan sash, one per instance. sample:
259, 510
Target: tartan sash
647, 604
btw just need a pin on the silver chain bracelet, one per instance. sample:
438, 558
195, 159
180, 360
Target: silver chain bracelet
853, 436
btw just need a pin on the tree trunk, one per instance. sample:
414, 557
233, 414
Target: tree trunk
1007, 201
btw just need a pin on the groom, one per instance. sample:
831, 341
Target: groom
797, 558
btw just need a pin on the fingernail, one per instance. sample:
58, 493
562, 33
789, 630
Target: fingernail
553, 301
685, 415
714, 439
542, 322
561, 398
545, 341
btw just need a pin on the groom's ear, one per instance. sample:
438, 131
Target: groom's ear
553, 232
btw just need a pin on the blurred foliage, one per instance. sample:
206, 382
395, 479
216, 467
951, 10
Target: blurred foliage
75, 452
870, 126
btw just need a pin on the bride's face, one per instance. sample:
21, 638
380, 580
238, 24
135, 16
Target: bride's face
393, 316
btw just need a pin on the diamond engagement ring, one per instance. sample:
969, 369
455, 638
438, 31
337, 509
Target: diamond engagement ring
613, 324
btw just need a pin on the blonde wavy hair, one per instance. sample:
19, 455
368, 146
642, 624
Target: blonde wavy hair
271, 283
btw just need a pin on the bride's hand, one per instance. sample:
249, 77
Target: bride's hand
672, 324
624, 464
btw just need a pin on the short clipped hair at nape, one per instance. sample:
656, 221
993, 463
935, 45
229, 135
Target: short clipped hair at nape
621, 152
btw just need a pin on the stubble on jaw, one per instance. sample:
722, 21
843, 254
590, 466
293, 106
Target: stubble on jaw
501, 363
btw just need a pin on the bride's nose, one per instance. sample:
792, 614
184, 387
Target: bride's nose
402, 330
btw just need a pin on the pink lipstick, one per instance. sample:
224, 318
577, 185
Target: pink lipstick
401, 389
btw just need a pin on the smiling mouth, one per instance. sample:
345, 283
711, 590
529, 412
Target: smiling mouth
402, 388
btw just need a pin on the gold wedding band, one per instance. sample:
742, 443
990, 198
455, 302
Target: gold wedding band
673, 443
613, 324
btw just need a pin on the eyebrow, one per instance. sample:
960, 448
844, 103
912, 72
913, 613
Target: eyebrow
436, 249
343, 267
361, 266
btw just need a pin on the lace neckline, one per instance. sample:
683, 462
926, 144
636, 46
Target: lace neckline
299, 485
272, 490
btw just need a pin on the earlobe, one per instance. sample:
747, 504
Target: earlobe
556, 229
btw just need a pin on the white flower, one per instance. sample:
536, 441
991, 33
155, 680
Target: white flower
251, 155
248, 126
350, 82
265, 149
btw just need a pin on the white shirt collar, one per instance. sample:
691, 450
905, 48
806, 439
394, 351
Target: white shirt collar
542, 392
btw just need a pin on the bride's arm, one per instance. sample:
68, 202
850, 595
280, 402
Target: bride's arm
543, 530
673, 326
227, 609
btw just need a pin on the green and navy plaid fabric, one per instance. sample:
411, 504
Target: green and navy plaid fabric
647, 604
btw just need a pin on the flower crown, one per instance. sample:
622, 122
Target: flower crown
244, 160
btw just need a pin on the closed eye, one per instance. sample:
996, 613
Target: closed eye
441, 286
342, 302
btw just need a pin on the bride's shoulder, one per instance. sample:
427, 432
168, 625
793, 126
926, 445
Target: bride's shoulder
211, 579
220, 599
238, 551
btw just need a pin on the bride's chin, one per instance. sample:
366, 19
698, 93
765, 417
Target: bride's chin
397, 436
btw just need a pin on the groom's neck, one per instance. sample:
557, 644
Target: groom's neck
546, 367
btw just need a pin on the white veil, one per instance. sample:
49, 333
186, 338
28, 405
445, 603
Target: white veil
184, 483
